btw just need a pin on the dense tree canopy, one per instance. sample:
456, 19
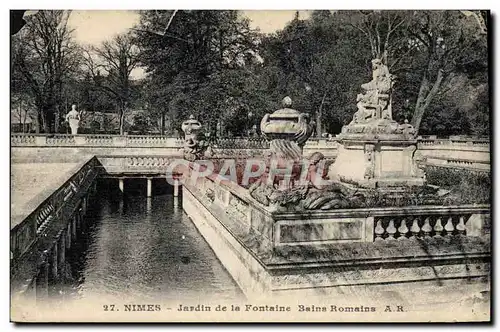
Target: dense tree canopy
213, 65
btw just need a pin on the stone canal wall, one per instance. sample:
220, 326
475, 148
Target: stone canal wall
45, 228
338, 253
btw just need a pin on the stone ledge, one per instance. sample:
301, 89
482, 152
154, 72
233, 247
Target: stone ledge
338, 272
409, 251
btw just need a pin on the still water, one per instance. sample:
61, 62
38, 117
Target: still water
135, 247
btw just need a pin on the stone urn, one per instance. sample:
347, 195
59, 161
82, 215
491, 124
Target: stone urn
287, 130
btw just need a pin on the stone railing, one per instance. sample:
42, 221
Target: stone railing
240, 143
20, 139
433, 221
30, 226
456, 141
450, 162
99, 140
451, 152
143, 164
343, 225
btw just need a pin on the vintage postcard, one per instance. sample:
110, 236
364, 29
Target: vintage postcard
250, 166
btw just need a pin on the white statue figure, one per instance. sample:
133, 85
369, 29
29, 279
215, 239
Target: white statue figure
73, 117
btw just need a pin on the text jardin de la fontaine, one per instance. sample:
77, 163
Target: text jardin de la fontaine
256, 308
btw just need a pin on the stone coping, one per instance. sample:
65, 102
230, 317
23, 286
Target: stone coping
244, 195
387, 211
359, 255
407, 252
45, 194
475, 161
383, 139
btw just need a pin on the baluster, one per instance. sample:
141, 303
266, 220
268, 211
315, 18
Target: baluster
461, 226
426, 228
415, 229
438, 228
379, 231
391, 230
449, 227
403, 230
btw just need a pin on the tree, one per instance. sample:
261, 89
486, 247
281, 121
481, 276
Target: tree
196, 65
43, 56
448, 42
424, 48
320, 63
117, 59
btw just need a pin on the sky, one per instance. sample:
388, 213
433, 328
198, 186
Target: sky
95, 26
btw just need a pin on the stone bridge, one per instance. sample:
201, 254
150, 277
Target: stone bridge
450, 152
53, 179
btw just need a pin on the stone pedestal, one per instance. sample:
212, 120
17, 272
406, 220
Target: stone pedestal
377, 163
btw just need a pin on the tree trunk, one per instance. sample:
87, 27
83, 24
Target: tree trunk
162, 123
319, 115
38, 121
21, 115
44, 122
424, 99
56, 120
121, 115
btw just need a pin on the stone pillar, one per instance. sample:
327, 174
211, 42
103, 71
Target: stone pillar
78, 219
73, 227
42, 281
150, 187
84, 204
120, 184
54, 269
61, 250
68, 236
369, 229
176, 188
475, 225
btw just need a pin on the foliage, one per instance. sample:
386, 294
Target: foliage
213, 65
110, 67
466, 186
202, 64
44, 57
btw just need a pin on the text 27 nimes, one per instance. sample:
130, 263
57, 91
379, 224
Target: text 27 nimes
254, 308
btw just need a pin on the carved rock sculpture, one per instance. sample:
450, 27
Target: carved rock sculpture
195, 143
374, 114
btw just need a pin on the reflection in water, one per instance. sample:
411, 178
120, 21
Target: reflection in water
146, 249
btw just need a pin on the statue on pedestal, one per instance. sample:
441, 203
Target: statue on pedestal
73, 117
374, 114
375, 103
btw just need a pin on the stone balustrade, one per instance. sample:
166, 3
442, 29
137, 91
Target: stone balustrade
36, 223
451, 152
471, 222
91, 140
40, 238
141, 164
20, 139
343, 225
240, 143
478, 164
457, 141
318, 253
